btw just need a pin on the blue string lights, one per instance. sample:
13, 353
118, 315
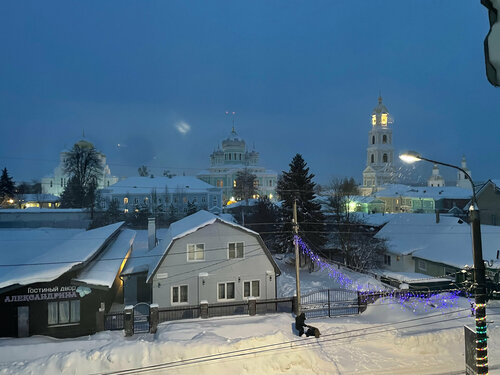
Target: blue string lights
411, 299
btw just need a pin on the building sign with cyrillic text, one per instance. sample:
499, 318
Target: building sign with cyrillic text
49, 294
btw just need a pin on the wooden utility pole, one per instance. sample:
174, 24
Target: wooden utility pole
297, 259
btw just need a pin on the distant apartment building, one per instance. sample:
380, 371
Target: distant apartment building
162, 194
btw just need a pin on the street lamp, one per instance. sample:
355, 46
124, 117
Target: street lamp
479, 269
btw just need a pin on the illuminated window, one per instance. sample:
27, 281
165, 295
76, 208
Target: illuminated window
220, 183
374, 119
196, 251
384, 118
125, 200
125, 210
234, 183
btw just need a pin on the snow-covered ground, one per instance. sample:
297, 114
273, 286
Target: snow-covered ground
388, 338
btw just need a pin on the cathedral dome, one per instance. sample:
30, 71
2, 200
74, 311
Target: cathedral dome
233, 141
84, 144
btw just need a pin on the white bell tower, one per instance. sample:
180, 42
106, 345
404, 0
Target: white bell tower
380, 151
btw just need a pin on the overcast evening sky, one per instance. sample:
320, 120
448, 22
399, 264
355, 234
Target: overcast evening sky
156, 78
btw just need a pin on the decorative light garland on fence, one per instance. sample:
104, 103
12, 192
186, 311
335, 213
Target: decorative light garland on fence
412, 299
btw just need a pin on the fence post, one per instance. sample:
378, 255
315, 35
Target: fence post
128, 321
252, 306
329, 304
99, 320
204, 309
153, 317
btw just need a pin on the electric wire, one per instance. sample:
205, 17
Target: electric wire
280, 346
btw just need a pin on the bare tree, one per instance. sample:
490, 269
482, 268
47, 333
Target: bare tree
350, 234
83, 165
143, 171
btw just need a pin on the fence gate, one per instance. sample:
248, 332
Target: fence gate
141, 318
330, 302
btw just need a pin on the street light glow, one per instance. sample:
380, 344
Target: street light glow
410, 157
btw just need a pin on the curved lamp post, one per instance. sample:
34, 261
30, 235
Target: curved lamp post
479, 269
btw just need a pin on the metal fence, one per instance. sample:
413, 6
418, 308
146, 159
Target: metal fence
177, 313
330, 302
113, 321
282, 305
227, 309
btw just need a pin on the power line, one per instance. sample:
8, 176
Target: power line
279, 346
117, 258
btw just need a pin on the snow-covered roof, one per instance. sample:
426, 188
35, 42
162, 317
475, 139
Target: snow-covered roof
448, 241
436, 193
39, 198
144, 185
35, 260
103, 271
36, 209
409, 277
149, 261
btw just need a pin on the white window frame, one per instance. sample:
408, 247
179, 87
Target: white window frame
194, 253
179, 302
236, 250
225, 291
251, 289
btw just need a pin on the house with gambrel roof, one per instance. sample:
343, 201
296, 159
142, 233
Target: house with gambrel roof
202, 258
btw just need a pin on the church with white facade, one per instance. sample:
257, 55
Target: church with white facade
56, 183
233, 157
380, 172
380, 151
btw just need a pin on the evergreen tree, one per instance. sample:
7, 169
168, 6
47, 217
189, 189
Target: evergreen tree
83, 165
7, 187
298, 184
192, 208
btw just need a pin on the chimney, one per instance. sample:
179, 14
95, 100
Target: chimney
437, 216
151, 233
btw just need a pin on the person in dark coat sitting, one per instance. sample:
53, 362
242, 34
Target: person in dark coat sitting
300, 323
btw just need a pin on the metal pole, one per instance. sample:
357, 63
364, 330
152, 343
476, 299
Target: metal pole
480, 292
296, 230
479, 276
